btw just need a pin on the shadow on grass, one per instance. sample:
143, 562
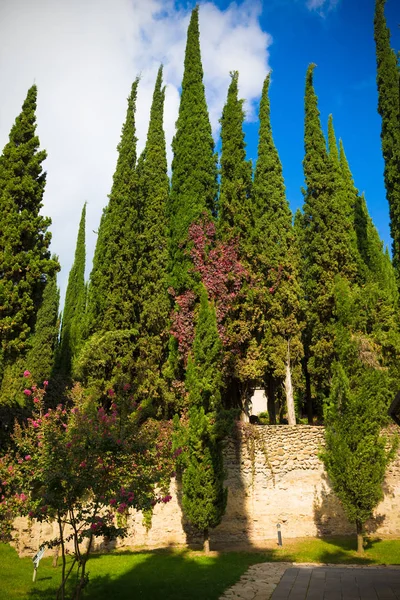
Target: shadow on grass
170, 574
166, 575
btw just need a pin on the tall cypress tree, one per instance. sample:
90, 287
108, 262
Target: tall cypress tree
235, 223
388, 81
204, 496
275, 260
235, 190
25, 261
327, 249
112, 295
74, 307
194, 165
153, 299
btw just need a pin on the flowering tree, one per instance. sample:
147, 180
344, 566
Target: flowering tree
84, 466
216, 265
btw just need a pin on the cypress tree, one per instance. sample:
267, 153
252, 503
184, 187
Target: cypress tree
327, 247
235, 224
74, 307
236, 172
194, 165
39, 359
275, 260
204, 495
356, 455
388, 82
25, 261
153, 299
112, 295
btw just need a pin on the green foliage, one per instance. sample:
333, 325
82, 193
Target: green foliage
112, 291
39, 358
234, 208
25, 262
106, 359
274, 259
388, 82
327, 245
356, 454
74, 307
153, 301
194, 165
204, 495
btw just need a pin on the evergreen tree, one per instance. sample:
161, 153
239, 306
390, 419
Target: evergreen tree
356, 455
25, 262
153, 298
74, 307
235, 225
39, 359
204, 495
112, 296
236, 172
275, 260
327, 246
388, 81
194, 165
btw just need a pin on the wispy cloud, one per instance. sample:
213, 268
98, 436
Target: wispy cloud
322, 7
84, 56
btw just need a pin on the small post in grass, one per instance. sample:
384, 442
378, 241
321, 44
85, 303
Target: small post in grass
36, 560
279, 534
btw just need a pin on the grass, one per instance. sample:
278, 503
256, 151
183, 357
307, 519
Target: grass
178, 574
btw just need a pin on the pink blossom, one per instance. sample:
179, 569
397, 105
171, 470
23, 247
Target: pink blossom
113, 501
127, 386
45, 383
83, 464
36, 400
27, 392
27, 373
111, 392
122, 507
28, 457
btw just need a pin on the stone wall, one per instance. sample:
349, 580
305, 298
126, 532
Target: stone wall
274, 476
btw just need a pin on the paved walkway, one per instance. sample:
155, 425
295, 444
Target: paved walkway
287, 581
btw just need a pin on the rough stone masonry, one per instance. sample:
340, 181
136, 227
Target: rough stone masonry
273, 475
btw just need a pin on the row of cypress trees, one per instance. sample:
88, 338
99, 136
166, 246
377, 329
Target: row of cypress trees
304, 305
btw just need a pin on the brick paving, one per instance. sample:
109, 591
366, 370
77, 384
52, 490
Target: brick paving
338, 583
287, 581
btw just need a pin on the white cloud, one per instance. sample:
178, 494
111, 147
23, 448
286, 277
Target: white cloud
322, 6
84, 55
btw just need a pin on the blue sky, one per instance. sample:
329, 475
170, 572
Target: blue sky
341, 43
84, 55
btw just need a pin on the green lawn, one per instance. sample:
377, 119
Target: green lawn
176, 574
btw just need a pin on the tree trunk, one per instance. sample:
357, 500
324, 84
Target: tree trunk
271, 400
360, 537
308, 395
206, 543
289, 390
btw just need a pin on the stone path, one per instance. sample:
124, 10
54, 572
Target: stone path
258, 582
287, 581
